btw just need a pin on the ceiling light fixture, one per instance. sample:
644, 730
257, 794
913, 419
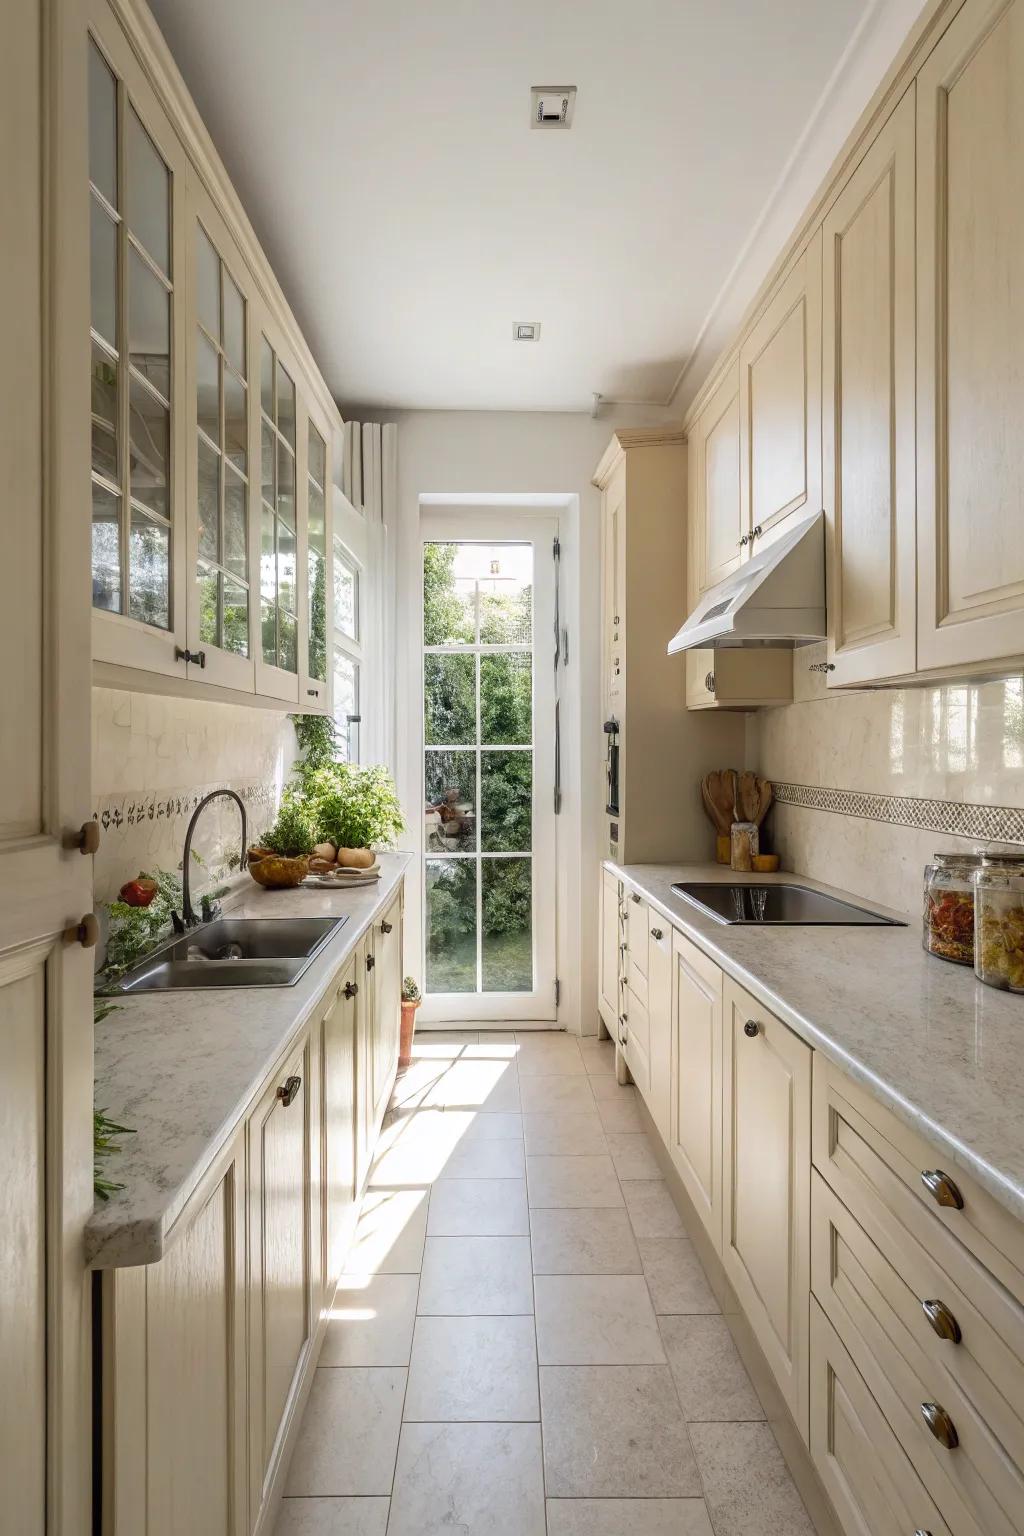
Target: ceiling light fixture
526, 330
552, 106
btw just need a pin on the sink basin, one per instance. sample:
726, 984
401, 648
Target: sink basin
780, 904
234, 952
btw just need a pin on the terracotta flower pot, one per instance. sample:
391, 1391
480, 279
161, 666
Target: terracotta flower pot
408, 1030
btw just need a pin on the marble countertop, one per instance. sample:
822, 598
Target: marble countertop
941, 1050
183, 1069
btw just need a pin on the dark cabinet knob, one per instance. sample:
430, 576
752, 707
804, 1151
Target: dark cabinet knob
942, 1321
941, 1425
656, 933
86, 932
370, 962
351, 988
942, 1189
751, 1028
386, 927
709, 682
635, 896
86, 839
288, 1089
194, 658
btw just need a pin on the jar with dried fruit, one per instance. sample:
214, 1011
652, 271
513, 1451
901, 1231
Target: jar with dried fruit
999, 921
949, 906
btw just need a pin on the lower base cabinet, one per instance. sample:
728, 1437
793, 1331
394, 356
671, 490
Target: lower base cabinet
695, 1112
206, 1355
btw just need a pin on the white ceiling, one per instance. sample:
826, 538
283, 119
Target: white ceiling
383, 152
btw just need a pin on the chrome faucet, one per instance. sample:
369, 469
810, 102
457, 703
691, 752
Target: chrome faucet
210, 909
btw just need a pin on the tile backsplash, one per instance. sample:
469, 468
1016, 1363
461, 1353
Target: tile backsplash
154, 758
873, 782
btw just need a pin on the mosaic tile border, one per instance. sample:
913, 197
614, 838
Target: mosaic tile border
988, 823
118, 812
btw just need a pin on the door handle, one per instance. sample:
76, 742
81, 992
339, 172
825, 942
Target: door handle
288, 1089
941, 1425
942, 1321
558, 753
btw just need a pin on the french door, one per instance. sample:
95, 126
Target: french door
488, 767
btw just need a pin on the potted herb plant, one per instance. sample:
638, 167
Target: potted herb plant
354, 808
281, 859
411, 999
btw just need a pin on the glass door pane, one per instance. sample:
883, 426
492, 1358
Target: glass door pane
478, 676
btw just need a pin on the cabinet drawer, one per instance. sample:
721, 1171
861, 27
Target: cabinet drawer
637, 925
637, 982
636, 1038
876, 1165
872, 1485
970, 1475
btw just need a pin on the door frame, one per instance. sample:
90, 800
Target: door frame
538, 526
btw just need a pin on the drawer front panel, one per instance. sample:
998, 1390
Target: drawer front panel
638, 983
973, 1480
867, 1155
872, 1485
637, 926
636, 1030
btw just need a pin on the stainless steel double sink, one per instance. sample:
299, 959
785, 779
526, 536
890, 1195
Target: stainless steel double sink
233, 952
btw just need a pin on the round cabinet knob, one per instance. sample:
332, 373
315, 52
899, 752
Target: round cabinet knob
288, 1089
941, 1425
942, 1321
755, 533
386, 927
351, 988
744, 540
942, 1189
370, 962
86, 932
656, 933
709, 682
634, 896
751, 1028
86, 839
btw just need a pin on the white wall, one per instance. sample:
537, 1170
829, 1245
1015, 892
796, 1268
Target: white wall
510, 453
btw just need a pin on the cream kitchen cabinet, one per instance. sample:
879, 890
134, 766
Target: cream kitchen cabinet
970, 385
695, 1111
717, 513
174, 1374
766, 1169
659, 1010
383, 964
280, 1267
868, 412
608, 958
735, 678
338, 1035
780, 404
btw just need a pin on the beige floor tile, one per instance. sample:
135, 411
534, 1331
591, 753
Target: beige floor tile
583, 1242
349, 1433
492, 1047
569, 1133
710, 1377
633, 1155
474, 1479
553, 1095
414, 1082
614, 1431
473, 1368
675, 1276
371, 1321
415, 1149
572, 1181
628, 1517
389, 1237
485, 1160
602, 1089
477, 1084
651, 1209
596, 1320
550, 1058
619, 1114
747, 1485
443, 1042
333, 1517
467, 1276
478, 1208
598, 1057
484, 1125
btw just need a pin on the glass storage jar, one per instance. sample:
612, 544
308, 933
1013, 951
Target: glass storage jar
948, 929
999, 921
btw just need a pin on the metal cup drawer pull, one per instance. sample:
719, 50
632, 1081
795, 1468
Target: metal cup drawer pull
942, 1189
941, 1425
942, 1321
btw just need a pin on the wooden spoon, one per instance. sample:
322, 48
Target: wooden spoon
718, 790
754, 796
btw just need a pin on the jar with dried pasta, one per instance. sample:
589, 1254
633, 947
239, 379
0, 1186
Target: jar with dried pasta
999, 921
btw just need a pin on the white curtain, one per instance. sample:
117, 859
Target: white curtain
369, 479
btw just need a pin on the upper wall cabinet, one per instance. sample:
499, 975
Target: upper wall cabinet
715, 443
210, 424
970, 378
780, 404
868, 410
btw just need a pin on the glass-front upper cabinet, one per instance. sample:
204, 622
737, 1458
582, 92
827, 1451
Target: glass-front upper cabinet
135, 193
315, 690
278, 670
219, 610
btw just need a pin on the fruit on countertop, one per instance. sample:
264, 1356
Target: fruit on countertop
138, 892
356, 858
325, 852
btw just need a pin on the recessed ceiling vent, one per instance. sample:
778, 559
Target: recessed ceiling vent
552, 106
526, 330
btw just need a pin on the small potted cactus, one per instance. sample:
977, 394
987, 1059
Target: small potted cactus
411, 999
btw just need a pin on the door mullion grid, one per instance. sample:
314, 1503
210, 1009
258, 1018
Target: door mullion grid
479, 807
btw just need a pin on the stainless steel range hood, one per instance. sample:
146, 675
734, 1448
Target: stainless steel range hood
777, 598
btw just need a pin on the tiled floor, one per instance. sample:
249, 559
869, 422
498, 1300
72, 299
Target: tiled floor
525, 1343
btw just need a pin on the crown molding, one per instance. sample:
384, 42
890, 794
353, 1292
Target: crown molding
625, 438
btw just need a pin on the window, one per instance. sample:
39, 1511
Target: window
222, 416
347, 652
130, 320
316, 547
278, 557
